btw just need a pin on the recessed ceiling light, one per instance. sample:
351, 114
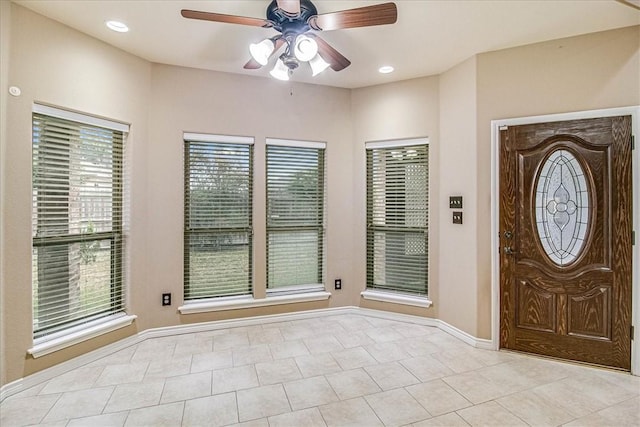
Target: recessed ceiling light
117, 26
386, 69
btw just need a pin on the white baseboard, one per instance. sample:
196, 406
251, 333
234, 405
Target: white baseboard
32, 380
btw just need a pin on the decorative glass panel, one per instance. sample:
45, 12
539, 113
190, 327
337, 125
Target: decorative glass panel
562, 207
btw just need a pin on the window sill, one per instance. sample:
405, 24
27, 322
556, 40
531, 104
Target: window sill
223, 304
416, 301
46, 345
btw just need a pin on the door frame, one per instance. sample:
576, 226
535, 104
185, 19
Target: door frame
634, 112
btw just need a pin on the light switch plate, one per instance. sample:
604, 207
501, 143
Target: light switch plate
455, 202
457, 217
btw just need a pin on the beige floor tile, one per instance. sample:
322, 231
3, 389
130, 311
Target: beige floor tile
232, 379
118, 358
193, 346
122, 374
353, 358
218, 410
535, 409
134, 396
155, 349
26, 410
323, 344
156, 416
626, 413
410, 330
317, 364
277, 371
260, 422
391, 375
186, 387
383, 334
262, 402
350, 384
448, 420
396, 407
251, 354
296, 332
305, 418
230, 340
309, 392
489, 414
266, 336
287, 349
81, 403
458, 360
351, 339
106, 420
354, 322
426, 368
418, 347
211, 361
77, 379
437, 397
476, 388
168, 368
385, 352
350, 413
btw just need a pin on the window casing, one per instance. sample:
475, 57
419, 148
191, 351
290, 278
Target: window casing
397, 216
218, 240
77, 220
295, 215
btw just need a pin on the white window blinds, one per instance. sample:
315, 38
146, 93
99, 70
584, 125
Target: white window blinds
397, 216
295, 213
77, 220
217, 216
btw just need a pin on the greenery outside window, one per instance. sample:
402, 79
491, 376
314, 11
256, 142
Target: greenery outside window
295, 215
77, 220
397, 216
218, 241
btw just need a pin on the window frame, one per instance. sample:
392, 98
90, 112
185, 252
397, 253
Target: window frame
320, 227
389, 293
216, 141
95, 322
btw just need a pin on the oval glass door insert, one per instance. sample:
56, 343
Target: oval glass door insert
562, 207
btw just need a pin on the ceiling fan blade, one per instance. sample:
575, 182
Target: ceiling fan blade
252, 64
291, 7
380, 14
336, 60
229, 19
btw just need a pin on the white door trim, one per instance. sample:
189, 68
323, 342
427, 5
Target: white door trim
634, 112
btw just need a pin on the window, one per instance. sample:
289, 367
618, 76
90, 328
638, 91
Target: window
77, 220
397, 216
295, 214
217, 216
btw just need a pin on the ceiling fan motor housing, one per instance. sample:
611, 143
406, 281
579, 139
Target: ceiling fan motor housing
289, 24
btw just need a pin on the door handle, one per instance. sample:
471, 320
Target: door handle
508, 250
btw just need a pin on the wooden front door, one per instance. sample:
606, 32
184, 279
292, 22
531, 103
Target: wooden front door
565, 240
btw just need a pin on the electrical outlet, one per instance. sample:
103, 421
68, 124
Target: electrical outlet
166, 299
338, 284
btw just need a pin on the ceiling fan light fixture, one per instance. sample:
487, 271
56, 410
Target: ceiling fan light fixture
318, 65
262, 51
305, 48
280, 71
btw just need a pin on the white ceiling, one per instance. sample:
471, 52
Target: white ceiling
429, 37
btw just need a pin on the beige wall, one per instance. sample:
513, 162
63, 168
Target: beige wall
458, 245
406, 109
54, 64
5, 46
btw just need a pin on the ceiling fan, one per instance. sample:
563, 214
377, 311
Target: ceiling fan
297, 22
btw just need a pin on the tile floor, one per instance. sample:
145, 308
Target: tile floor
331, 370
